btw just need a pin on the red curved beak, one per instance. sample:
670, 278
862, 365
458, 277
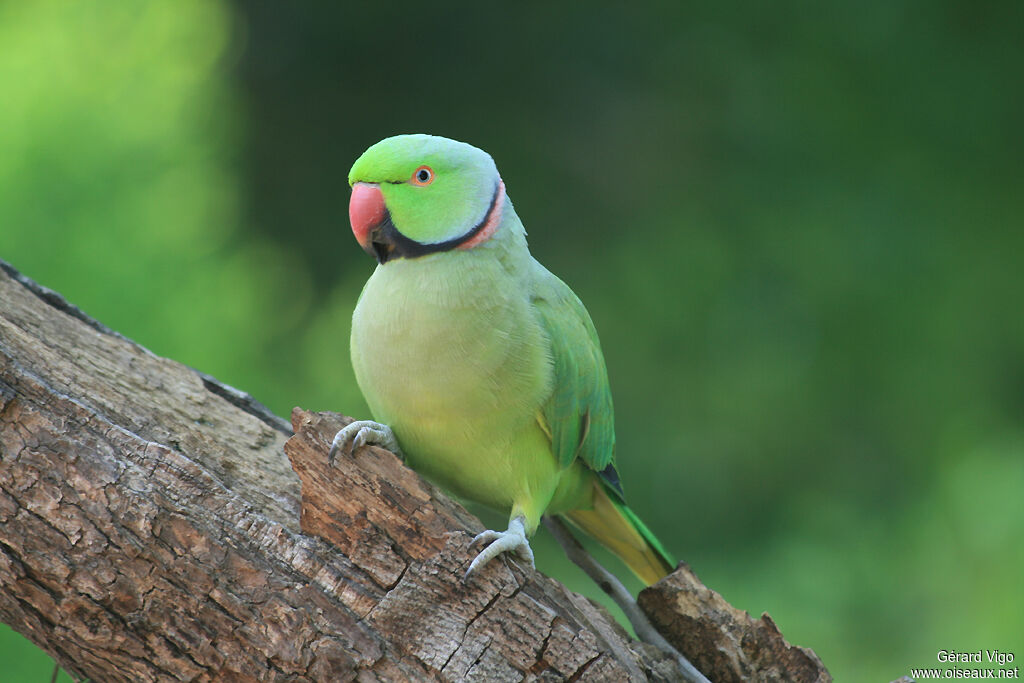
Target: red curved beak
365, 212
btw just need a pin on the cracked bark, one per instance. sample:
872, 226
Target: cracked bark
156, 525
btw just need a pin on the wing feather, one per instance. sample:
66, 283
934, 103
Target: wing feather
578, 415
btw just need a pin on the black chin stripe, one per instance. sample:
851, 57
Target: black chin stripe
403, 247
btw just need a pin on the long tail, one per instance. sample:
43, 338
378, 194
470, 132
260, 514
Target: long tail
618, 528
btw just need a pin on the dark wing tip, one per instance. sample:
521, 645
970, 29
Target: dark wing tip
611, 477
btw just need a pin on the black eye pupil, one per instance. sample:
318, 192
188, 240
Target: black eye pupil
423, 175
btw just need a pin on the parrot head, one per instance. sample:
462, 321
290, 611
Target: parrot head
414, 195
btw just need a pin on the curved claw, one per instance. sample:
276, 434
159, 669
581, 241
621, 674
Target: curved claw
513, 540
359, 433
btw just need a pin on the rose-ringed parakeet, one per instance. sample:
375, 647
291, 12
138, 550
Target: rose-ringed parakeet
479, 366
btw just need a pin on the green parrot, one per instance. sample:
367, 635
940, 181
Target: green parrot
480, 367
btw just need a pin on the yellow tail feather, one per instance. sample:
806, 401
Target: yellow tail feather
606, 523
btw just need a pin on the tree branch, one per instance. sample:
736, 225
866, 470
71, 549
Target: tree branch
150, 530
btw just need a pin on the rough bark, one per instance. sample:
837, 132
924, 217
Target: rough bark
150, 530
725, 643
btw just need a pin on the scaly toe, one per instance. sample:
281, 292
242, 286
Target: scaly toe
336, 445
485, 536
513, 540
525, 552
360, 433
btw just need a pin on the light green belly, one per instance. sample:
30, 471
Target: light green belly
447, 352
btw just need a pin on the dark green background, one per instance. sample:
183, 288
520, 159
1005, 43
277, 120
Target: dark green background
797, 227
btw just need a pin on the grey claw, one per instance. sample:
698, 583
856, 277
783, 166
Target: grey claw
488, 536
513, 540
359, 433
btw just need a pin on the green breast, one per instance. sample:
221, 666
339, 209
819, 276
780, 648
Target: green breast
447, 352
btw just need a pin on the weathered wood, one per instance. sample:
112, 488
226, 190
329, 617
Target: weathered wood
725, 643
411, 540
150, 531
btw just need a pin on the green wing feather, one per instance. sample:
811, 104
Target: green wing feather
579, 413
579, 420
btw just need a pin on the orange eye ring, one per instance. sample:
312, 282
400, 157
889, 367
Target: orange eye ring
422, 176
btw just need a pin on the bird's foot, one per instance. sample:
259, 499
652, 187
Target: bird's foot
513, 540
361, 432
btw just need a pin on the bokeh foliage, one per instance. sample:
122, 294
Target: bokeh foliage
797, 227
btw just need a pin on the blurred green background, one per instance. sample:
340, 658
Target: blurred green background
797, 227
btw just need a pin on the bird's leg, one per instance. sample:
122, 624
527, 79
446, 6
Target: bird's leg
361, 432
502, 542
611, 585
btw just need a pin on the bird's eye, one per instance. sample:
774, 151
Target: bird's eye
424, 175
